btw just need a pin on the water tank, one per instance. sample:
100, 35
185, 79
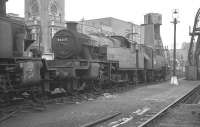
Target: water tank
153, 18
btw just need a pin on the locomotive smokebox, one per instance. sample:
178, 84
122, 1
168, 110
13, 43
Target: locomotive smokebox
72, 26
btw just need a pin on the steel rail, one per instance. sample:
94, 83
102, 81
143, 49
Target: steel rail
153, 120
101, 120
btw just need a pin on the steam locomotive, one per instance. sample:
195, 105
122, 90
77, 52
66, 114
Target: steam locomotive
18, 72
81, 61
95, 61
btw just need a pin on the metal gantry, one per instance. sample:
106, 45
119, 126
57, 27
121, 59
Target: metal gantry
194, 51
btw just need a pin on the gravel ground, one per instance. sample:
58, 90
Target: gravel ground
135, 105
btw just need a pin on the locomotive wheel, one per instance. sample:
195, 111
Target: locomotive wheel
69, 87
75, 85
80, 85
97, 85
5, 98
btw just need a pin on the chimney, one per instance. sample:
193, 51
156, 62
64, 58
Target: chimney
72, 26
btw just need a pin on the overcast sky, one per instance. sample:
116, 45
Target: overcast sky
130, 10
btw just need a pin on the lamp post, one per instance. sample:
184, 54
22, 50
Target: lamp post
174, 79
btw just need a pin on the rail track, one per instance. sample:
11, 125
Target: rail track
184, 112
7, 109
81, 95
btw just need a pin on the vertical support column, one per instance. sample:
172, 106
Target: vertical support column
145, 75
110, 70
137, 65
152, 65
45, 25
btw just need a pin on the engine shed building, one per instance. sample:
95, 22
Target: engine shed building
112, 26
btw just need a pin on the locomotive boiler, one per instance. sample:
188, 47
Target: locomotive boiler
95, 61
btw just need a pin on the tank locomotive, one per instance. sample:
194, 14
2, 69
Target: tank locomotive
81, 61
95, 61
